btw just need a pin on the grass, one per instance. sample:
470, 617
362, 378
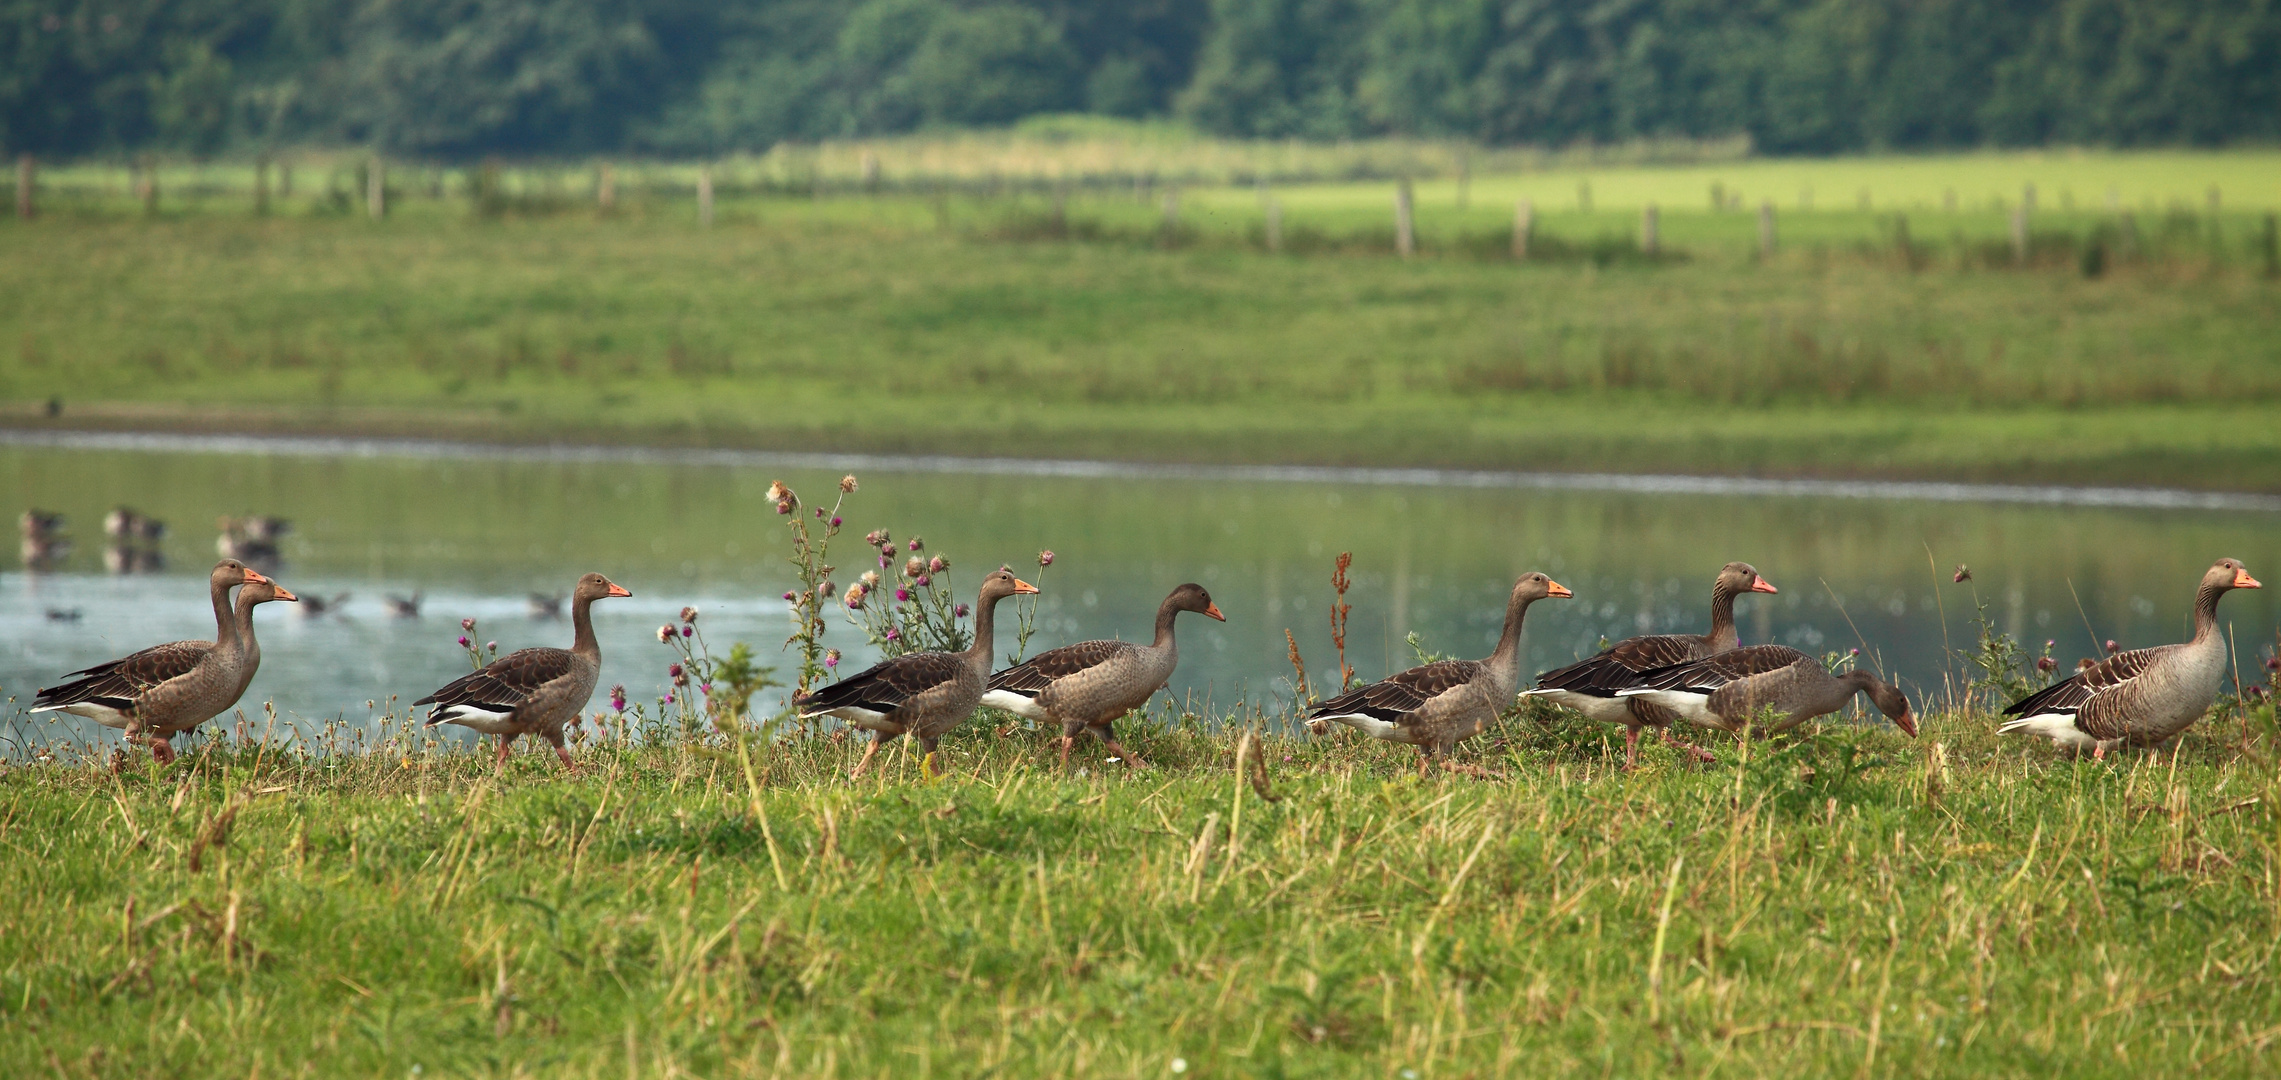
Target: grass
974, 323
1851, 902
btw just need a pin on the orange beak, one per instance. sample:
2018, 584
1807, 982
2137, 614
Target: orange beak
253, 575
2242, 580
1021, 587
1213, 610
1907, 722
1759, 584
1554, 588
284, 593
617, 590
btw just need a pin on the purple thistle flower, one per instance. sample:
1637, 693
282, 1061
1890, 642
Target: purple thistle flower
2112, 647
925, 581
706, 687
1045, 558
832, 658
493, 646
835, 522
959, 612
463, 641
688, 630
467, 625
688, 614
937, 565
903, 594
917, 543
1853, 652
669, 697
788, 595
2046, 664
674, 670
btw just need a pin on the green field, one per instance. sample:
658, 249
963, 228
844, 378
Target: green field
1902, 340
1852, 903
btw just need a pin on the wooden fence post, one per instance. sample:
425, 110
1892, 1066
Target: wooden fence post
1766, 230
24, 182
1524, 226
1649, 242
1405, 235
376, 188
1274, 223
705, 196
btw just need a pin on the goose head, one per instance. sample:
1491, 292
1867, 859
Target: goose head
2229, 574
1741, 577
1001, 583
1536, 586
264, 591
1888, 699
231, 572
1192, 597
594, 587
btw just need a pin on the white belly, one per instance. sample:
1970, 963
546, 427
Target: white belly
489, 723
1692, 707
1018, 704
1607, 710
101, 714
1371, 726
2058, 727
863, 718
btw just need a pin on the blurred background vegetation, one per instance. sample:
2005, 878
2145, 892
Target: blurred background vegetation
446, 79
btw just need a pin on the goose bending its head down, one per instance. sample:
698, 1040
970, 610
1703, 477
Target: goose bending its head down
921, 694
531, 691
1087, 686
168, 689
1740, 686
1590, 686
2144, 696
1438, 705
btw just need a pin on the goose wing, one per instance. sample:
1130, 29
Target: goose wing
1394, 698
1712, 672
1619, 666
2068, 696
884, 687
500, 687
1052, 665
120, 683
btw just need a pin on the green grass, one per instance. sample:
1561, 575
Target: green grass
1842, 904
978, 325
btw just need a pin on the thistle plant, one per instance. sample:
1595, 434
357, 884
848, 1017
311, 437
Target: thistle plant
811, 546
688, 676
1026, 611
1339, 607
906, 607
477, 655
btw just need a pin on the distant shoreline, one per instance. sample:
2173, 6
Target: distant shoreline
373, 447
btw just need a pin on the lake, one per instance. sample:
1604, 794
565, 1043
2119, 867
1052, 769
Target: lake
474, 531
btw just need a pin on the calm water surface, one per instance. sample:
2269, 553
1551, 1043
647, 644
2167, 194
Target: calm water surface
475, 536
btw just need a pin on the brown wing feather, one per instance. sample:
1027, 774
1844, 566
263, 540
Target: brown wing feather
505, 684
1619, 666
120, 683
1042, 670
885, 686
1395, 697
2070, 695
1712, 672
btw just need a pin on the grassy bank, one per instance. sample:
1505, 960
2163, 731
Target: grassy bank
1853, 903
988, 326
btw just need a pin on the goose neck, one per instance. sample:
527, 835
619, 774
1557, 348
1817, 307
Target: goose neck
582, 641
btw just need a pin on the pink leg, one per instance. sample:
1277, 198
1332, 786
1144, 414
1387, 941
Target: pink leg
1631, 746
1109, 736
873, 748
162, 749
504, 742
1068, 743
1688, 748
563, 752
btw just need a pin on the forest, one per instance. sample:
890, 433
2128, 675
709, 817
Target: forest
459, 79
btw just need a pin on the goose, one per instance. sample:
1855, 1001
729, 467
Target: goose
317, 607
2141, 697
405, 607
38, 524
168, 689
539, 605
531, 691
1589, 686
921, 694
1087, 686
44, 546
1436, 706
1735, 687
251, 539
124, 523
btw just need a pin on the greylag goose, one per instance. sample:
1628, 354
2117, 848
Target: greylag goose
1589, 686
531, 691
405, 607
37, 524
168, 689
2144, 696
124, 523
1739, 685
251, 539
921, 694
1087, 686
1436, 706
540, 605
44, 546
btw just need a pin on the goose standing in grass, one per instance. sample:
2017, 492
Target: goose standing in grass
2144, 696
531, 691
1436, 706
920, 694
1589, 686
1087, 686
1739, 686
168, 689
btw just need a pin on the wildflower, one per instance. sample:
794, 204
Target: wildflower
2046, 664
688, 614
847, 484
819, 513
688, 630
913, 567
903, 595
463, 641
828, 589
669, 697
664, 635
959, 612
917, 543
1962, 574
618, 697
786, 506
467, 625
871, 579
924, 581
855, 597
894, 634
2048, 643
2113, 648
674, 670
777, 492
876, 537
887, 551
1853, 652
1045, 558
706, 687
491, 646
937, 565
835, 522
831, 658
788, 595
2273, 663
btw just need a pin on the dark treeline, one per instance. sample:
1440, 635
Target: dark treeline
456, 78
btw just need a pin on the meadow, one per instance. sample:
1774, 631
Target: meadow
1002, 296
701, 904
